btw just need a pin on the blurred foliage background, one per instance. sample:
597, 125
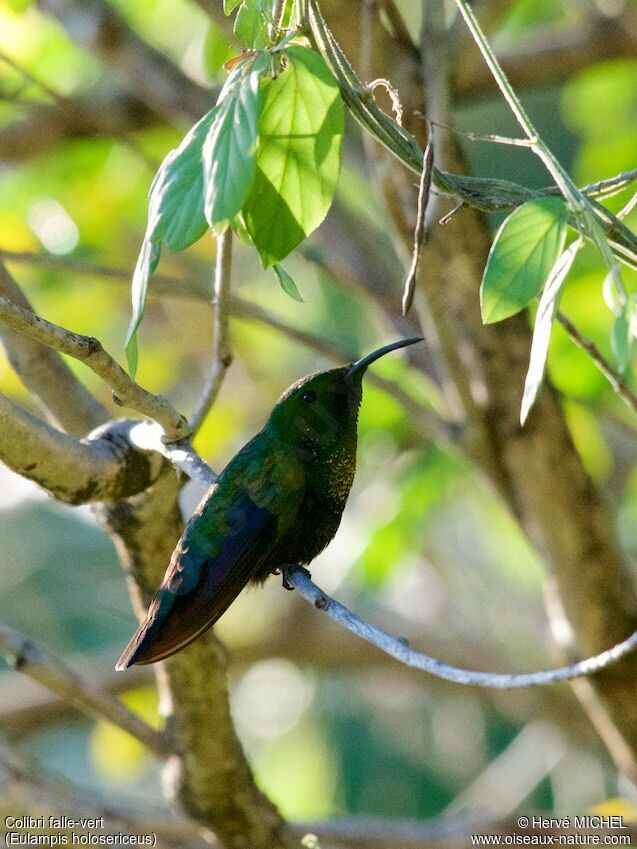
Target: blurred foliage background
426, 549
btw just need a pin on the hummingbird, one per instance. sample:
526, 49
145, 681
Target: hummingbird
279, 501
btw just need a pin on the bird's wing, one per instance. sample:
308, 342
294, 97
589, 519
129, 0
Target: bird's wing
230, 535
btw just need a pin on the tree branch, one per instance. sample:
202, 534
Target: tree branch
42, 126
89, 350
46, 374
151, 75
398, 648
27, 656
102, 467
221, 356
619, 384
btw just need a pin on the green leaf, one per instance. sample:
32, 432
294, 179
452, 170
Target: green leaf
525, 249
175, 217
620, 339
229, 149
176, 207
287, 283
632, 313
298, 159
229, 6
543, 323
251, 24
146, 264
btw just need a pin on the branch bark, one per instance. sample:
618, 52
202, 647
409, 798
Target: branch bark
102, 467
147, 72
38, 663
89, 350
45, 373
221, 356
400, 649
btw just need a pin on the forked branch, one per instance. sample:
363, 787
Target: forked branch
89, 350
38, 663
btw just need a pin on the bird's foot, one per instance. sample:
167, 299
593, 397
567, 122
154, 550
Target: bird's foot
286, 584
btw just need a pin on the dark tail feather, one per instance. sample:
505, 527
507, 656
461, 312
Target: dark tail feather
174, 621
197, 589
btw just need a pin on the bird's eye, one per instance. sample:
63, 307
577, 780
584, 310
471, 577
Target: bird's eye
308, 397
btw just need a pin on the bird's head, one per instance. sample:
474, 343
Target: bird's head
320, 410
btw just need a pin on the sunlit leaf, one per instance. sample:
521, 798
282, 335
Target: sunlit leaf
620, 339
300, 135
229, 149
175, 217
229, 6
251, 23
524, 250
147, 262
543, 323
176, 205
287, 283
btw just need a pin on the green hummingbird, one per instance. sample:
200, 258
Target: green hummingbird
278, 501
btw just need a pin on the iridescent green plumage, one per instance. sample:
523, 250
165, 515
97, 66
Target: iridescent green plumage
279, 501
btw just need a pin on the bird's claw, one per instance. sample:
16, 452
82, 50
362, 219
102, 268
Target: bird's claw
286, 584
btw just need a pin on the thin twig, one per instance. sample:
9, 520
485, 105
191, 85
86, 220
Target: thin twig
179, 287
419, 230
34, 660
446, 218
615, 379
89, 350
221, 356
147, 436
398, 648
278, 11
28, 77
628, 208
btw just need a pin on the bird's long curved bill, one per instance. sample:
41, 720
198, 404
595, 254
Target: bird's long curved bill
360, 365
